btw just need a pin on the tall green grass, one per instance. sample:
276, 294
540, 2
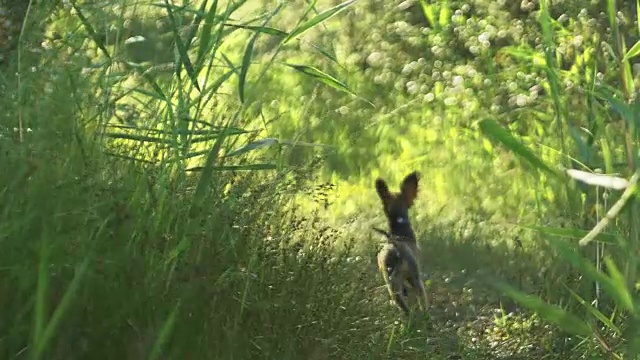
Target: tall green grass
140, 219
609, 318
194, 181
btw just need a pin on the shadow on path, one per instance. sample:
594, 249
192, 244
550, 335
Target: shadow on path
470, 318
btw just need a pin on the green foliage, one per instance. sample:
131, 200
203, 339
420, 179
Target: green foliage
196, 180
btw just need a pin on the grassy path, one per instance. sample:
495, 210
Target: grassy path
469, 319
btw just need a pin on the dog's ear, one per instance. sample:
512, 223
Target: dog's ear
383, 189
409, 187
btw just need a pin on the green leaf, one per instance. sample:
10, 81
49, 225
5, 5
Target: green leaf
213, 88
331, 56
322, 77
610, 286
611, 11
632, 333
595, 312
620, 284
199, 15
303, 27
429, 13
611, 96
136, 137
246, 62
627, 74
205, 180
159, 93
575, 233
205, 34
261, 29
633, 52
607, 155
445, 13
42, 288
165, 333
61, 310
214, 129
496, 133
248, 54
90, 30
182, 48
247, 167
584, 150
254, 145
132, 158
552, 313
522, 51
638, 13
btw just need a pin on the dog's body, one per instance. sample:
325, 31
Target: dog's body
398, 259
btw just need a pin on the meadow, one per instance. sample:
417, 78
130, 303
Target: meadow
195, 179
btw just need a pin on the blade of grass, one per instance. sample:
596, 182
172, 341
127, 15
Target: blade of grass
267, 142
620, 283
261, 29
205, 34
325, 79
638, 14
611, 96
248, 54
595, 312
445, 14
323, 16
496, 133
633, 334
90, 30
229, 131
165, 333
41, 294
429, 13
248, 167
551, 68
326, 53
206, 176
244, 69
633, 52
608, 238
212, 89
136, 137
609, 285
181, 47
200, 14
160, 94
552, 313
254, 146
61, 310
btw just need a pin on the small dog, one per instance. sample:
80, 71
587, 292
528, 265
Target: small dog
398, 259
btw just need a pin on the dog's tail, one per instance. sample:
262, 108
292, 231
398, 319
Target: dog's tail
385, 233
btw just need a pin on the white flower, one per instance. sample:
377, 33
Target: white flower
375, 59
458, 80
521, 100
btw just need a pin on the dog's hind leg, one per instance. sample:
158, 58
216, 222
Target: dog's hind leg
389, 263
398, 290
416, 282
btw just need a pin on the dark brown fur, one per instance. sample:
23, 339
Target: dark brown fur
398, 259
